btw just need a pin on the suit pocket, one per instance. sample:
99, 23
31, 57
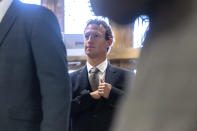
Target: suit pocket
32, 115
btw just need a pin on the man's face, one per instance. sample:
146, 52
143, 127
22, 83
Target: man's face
94, 41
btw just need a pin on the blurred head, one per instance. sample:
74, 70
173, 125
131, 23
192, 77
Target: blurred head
97, 38
164, 15
121, 11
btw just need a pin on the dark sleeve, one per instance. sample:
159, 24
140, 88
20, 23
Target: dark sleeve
82, 103
51, 65
82, 100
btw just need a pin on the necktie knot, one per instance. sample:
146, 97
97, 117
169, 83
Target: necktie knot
94, 70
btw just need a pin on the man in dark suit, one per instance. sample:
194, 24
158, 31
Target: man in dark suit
34, 83
93, 107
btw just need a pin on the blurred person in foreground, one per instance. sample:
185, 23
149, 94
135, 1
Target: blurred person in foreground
98, 85
163, 95
34, 83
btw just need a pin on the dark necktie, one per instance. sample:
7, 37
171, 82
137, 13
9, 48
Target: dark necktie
94, 78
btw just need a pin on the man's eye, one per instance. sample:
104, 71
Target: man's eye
86, 36
96, 36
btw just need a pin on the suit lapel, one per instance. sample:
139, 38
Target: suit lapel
110, 74
83, 79
8, 20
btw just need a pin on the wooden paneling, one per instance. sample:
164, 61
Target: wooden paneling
122, 54
123, 35
115, 54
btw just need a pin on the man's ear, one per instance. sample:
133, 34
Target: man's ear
109, 42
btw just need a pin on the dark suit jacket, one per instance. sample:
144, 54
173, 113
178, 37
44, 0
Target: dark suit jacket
95, 115
34, 83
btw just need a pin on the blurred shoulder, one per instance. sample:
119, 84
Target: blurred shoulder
33, 10
77, 72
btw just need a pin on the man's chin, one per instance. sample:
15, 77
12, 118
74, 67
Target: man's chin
90, 54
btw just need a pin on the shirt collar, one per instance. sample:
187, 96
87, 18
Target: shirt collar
4, 5
102, 66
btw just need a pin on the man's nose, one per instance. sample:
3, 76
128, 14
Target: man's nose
90, 38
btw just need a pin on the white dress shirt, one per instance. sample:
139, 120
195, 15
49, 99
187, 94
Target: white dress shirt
102, 69
4, 5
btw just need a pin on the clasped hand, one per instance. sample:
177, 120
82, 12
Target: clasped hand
102, 91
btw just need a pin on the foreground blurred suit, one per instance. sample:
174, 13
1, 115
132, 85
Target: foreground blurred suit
34, 84
163, 96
